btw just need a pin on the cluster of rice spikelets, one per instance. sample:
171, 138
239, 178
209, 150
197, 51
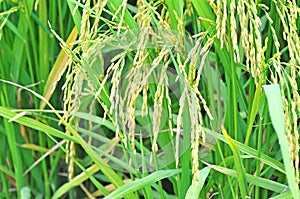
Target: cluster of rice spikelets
195, 60
254, 52
288, 15
76, 76
249, 23
123, 106
251, 37
221, 21
126, 89
72, 93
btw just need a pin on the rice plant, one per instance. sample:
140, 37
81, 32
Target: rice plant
149, 99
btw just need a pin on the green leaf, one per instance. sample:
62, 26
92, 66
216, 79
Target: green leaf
194, 191
34, 124
204, 10
249, 151
141, 183
277, 118
285, 195
241, 174
25, 193
186, 156
175, 7
255, 180
76, 181
254, 110
75, 14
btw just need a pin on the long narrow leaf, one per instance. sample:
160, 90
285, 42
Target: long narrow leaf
277, 118
34, 124
141, 183
76, 181
255, 180
194, 191
250, 151
285, 195
241, 177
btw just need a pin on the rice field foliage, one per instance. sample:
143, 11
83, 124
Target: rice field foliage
149, 99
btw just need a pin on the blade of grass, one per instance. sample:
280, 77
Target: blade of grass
15, 30
194, 191
34, 124
147, 190
45, 155
204, 10
250, 151
11, 136
43, 44
258, 164
4, 183
42, 73
75, 14
18, 44
176, 11
254, 110
141, 183
76, 181
6, 171
277, 117
285, 195
258, 181
241, 174
186, 156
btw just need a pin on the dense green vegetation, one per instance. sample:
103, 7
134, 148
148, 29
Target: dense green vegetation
149, 99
